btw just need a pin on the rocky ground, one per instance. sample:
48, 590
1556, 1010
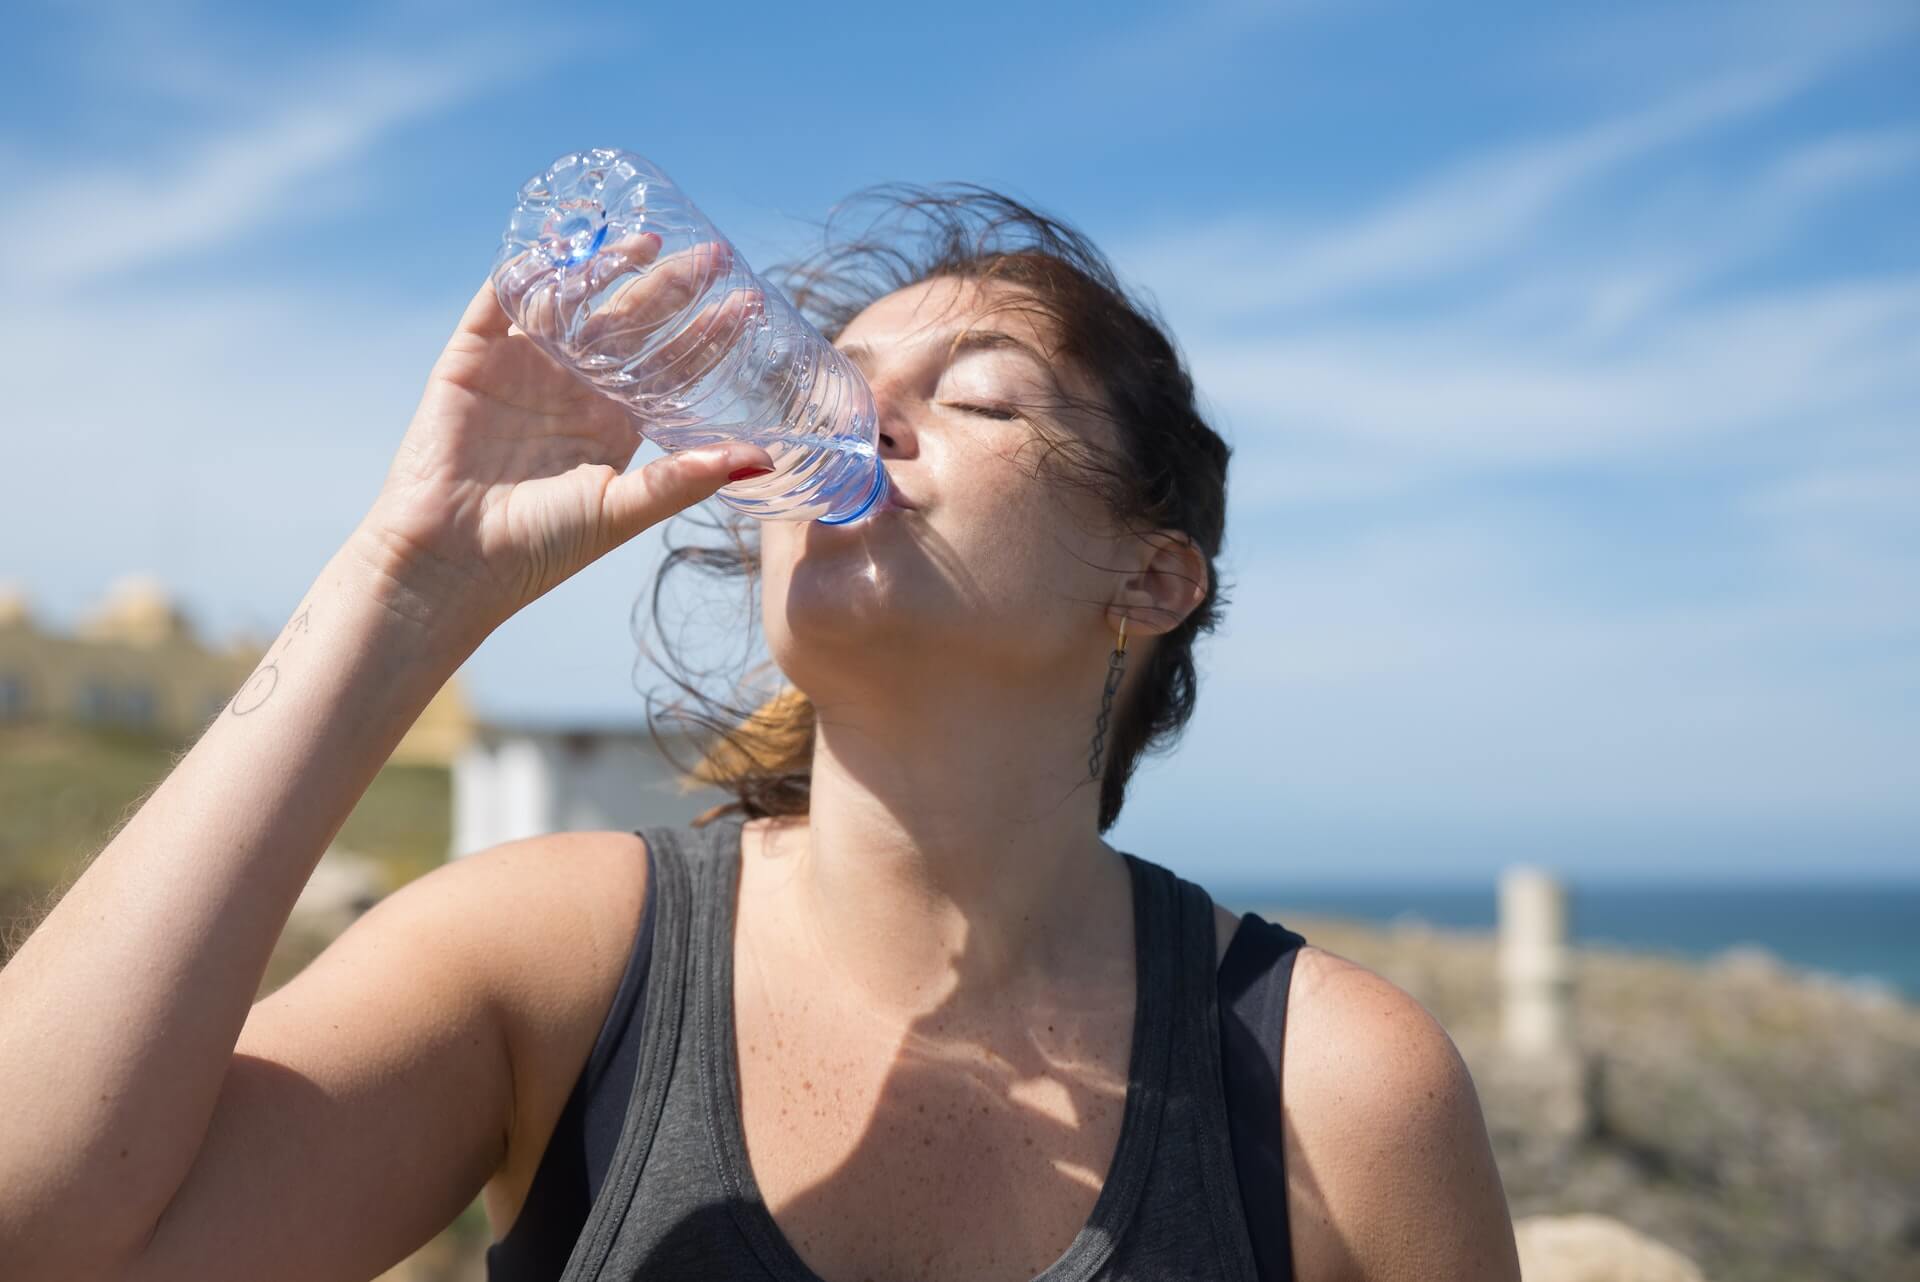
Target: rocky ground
1763, 1122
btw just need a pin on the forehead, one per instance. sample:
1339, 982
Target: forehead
949, 305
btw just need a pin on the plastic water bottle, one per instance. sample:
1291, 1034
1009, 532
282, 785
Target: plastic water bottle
616, 275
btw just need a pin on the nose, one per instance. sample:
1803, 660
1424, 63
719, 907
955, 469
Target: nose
898, 439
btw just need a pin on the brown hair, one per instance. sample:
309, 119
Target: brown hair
1165, 468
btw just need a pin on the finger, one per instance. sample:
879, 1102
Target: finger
484, 315
685, 357
565, 308
648, 300
514, 279
649, 495
540, 297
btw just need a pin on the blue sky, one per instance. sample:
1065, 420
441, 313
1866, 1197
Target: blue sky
1571, 357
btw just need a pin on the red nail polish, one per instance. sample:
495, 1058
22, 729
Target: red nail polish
747, 473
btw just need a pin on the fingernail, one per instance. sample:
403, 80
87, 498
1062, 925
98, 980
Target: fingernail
747, 473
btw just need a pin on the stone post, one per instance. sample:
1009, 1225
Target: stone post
1536, 977
1543, 1091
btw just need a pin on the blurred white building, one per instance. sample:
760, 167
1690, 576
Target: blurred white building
515, 780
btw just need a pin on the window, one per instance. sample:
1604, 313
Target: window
137, 705
95, 702
106, 702
14, 696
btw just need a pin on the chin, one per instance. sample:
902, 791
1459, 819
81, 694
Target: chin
828, 596
850, 608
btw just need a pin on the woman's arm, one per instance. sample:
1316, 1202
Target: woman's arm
1390, 1172
119, 1015
134, 1140
426, 1053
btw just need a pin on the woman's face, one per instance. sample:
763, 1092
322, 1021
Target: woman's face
992, 569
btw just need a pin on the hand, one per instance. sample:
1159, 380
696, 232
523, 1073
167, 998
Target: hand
512, 476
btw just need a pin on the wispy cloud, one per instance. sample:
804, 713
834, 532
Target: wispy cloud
1444, 225
1575, 477
1843, 160
1423, 671
112, 212
205, 395
1478, 395
1574, 330
1194, 36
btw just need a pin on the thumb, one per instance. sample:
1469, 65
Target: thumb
649, 495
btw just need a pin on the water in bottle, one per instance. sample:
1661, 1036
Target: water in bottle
616, 275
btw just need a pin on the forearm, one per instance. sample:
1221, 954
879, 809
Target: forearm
119, 1015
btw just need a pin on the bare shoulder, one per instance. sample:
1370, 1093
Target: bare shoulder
562, 907
456, 1013
541, 922
542, 929
532, 928
1390, 1171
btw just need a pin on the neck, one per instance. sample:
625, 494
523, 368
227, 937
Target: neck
935, 868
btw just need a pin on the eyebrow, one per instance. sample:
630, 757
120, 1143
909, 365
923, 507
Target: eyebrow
968, 341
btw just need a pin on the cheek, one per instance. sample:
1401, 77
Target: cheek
1025, 551
998, 482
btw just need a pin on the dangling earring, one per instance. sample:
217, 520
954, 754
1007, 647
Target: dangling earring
1116, 668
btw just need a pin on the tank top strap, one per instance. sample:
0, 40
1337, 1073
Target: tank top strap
1254, 980
671, 892
1235, 1225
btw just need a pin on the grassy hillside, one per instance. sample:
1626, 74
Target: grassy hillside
65, 791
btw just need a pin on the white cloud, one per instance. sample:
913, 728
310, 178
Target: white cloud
143, 426
111, 211
1440, 662
1573, 335
1674, 41
1195, 35
1470, 212
1479, 396
1843, 160
1417, 639
1891, 491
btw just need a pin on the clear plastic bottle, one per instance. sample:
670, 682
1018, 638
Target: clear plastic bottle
681, 331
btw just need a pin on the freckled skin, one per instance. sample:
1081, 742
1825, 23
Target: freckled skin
925, 1152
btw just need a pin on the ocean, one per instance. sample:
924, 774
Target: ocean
1859, 932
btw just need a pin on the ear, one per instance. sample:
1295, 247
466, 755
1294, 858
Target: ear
1169, 582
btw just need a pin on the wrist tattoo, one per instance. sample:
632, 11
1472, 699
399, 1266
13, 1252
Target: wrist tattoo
260, 686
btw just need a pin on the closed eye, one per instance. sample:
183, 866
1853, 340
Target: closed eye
990, 411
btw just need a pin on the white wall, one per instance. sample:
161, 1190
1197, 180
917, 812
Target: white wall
524, 781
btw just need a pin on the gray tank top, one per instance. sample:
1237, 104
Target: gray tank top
679, 1200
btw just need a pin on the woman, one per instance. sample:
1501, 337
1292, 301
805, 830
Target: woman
900, 1012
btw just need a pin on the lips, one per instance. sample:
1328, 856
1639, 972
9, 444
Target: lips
895, 500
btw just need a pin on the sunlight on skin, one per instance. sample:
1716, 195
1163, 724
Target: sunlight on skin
1049, 1096
974, 1080
1044, 1093
1082, 1175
